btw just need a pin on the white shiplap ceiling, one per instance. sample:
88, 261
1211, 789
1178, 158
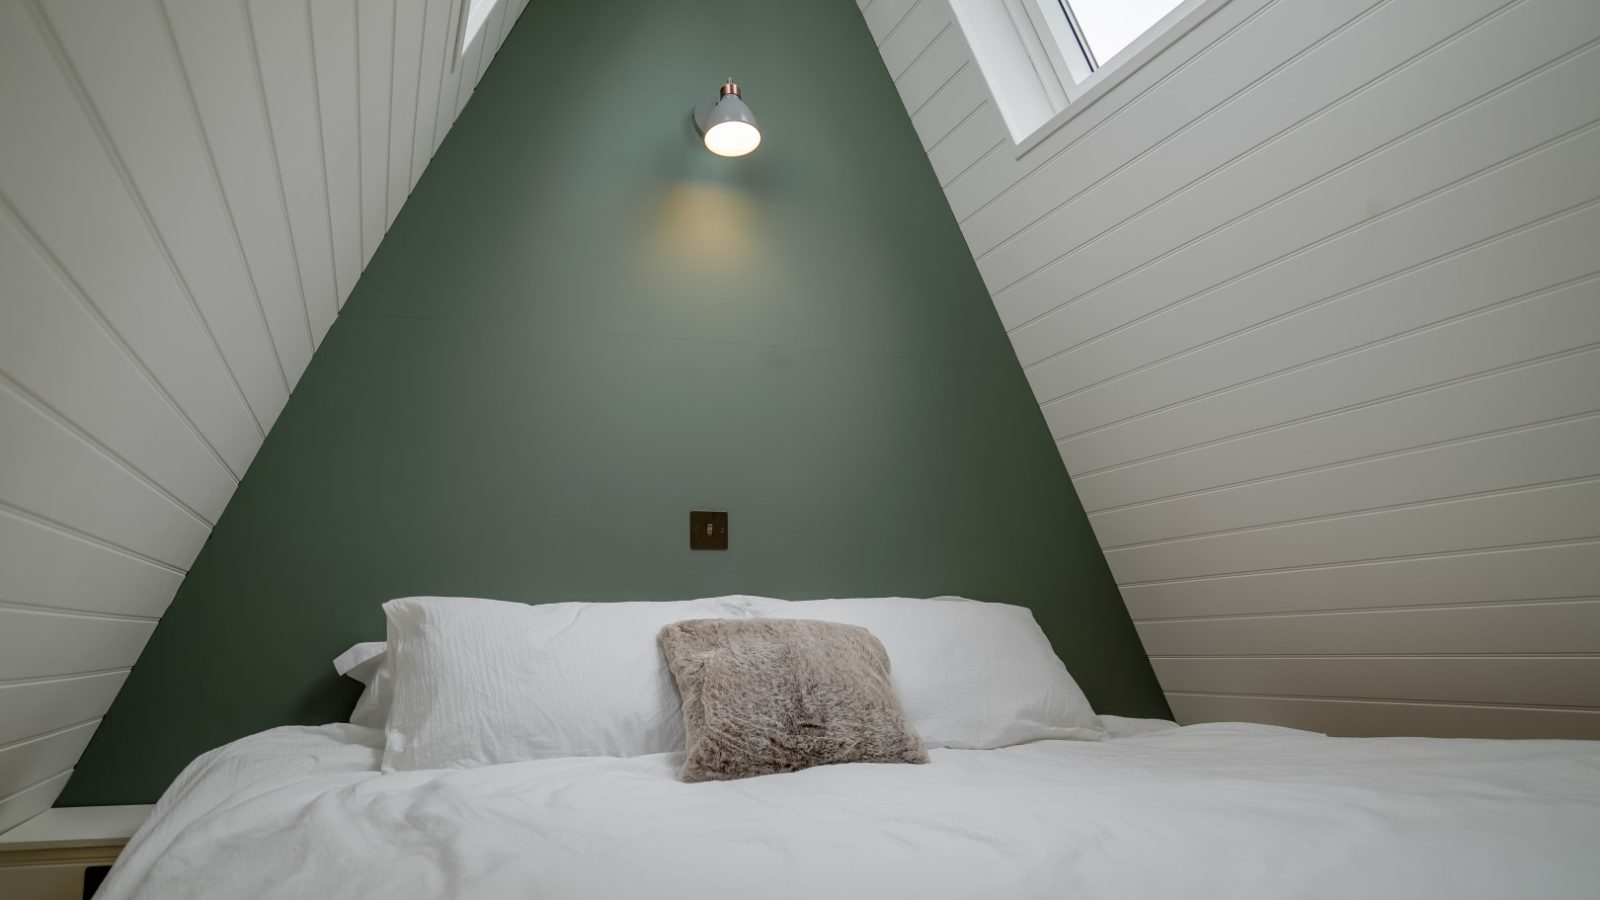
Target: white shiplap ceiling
1311, 303
189, 190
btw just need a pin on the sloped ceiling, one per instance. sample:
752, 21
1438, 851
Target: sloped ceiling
1310, 301
189, 190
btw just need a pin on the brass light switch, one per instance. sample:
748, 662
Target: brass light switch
708, 530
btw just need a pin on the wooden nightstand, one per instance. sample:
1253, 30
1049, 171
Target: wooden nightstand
46, 857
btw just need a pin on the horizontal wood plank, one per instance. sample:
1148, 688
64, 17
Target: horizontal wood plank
29, 761
32, 800
1522, 573
42, 644
1361, 718
1506, 680
48, 471
35, 707
1553, 627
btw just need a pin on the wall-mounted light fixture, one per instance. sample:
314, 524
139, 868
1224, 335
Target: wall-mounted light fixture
726, 123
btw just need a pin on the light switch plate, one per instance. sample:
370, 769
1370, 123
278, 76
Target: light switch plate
708, 530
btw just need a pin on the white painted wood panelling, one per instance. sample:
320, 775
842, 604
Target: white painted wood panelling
288, 77
56, 352
1545, 572
32, 708
137, 90
1504, 680
27, 762
90, 492
182, 192
333, 34
1311, 304
1378, 718
374, 68
406, 69
214, 43
30, 801
39, 643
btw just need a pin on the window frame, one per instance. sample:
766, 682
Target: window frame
459, 39
1053, 86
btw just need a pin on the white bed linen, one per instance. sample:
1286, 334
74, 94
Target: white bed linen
1236, 811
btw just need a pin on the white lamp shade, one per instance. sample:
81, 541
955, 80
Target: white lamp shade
729, 127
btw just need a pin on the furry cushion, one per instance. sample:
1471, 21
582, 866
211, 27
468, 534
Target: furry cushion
780, 695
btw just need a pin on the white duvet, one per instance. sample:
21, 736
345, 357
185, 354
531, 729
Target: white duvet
1233, 811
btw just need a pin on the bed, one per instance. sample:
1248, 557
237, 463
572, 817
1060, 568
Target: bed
1218, 810
882, 747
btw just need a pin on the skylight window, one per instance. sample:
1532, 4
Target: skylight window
477, 14
1109, 26
1042, 56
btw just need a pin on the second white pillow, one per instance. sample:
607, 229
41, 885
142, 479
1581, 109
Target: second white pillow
971, 675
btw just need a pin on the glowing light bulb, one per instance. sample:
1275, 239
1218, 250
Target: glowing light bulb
733, 138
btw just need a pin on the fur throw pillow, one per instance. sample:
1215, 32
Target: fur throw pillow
780, 695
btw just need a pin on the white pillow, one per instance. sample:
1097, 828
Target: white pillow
970, 675
478, 682
368, 663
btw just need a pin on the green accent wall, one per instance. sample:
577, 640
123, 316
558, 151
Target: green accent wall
582, 326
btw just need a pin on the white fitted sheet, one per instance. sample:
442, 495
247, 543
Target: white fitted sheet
1230, 810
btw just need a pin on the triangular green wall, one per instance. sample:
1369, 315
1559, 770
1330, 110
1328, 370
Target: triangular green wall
582, 326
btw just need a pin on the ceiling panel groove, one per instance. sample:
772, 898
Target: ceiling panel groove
1365, 561
388, 112
322, 153
1102, 512
70, 532
44, 253
1412, 392
1576, 480
1390, 212
416, 96
361, 150
45, 735
216, 180
53, 41
70, 612
1586, 710
277, 167
57, 418
23, 790
1430, 263
1358, 610
50, 679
